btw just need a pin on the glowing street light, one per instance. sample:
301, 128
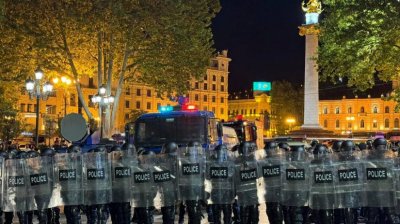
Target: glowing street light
290, 121
103, 100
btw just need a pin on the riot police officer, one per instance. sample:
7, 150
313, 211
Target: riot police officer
270, 168
322, 195
220, 193
378, 179
123, 159
24, 203
246, 184
3, 157
166, 181
295, 193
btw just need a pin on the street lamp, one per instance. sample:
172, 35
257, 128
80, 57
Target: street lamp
41, 90
103, 100
65, 82
290, 121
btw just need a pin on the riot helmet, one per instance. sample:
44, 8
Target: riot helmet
47, 152
245, 149
4, 154
32, 154
313, 143
221, 153
98, 149
320, 150
169, 148
62, 149
336, 146
12, 153
379, 144
297, 153
129, 147
347, 146
362, 146
193, 149
116, 148
74, 149
284, 145
270, 148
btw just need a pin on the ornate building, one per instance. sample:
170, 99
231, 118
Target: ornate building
211, 94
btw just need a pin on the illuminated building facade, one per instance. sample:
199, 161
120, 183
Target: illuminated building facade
210, 94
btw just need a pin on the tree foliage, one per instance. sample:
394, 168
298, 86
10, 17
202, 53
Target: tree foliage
360, 41
160, 43
286, 102
10, 125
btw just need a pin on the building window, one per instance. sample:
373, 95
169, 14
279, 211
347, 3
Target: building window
337, 111
127, 104
213, 99
126, 116
127, 91
325, 123
50, 109
138, 92
72, 100
214, 87
222, 79
221, 110
214, 78
222, 88
387, 110
22, 107
205, 98
196, 85
148, 106
137, 104
375, 110
205, 86
325, 110
349, 125
386, 123
91, 83
148, 93
362, 125
196, 97
222, 100
396, 123
349, 110
375, 124
362, 110
337, 124
205, 77
213, 109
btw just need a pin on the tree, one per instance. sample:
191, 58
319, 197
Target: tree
287, 101
160, 43
359, 41
10, 125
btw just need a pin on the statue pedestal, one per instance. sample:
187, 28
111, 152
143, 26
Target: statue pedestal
312, 133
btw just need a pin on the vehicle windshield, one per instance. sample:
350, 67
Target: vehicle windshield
157, 131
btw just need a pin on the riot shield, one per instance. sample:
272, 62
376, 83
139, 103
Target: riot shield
247, 183
191, 173
219, 184
164, 175
270, 168
68, 178
1, 180
295, 189
323, 176
396, 175
349, 182
16, 195
378, 179
122, 165
40, 183
144, 189
96, 178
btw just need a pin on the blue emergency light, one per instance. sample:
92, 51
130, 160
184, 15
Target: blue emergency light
165, 109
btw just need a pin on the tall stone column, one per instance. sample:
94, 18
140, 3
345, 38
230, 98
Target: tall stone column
311, 95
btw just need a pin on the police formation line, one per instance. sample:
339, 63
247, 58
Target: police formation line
298, 185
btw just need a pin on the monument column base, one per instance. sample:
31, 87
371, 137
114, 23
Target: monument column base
311, 126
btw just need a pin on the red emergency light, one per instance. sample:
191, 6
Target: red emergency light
189, 107
239, 117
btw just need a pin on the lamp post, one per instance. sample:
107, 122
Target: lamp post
290, 121
103, 100
41, 90
65, 82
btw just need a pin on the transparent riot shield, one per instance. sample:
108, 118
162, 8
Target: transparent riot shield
323, 176
191, 168
96, 178
164, 175
68, 178
16, 195
296, 181
270, 168
122, 165
396, 175
1, 180
349, 188
378, 180
144, 189
247, 183
219, 181
40, 183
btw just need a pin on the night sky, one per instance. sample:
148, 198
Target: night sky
262, 40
